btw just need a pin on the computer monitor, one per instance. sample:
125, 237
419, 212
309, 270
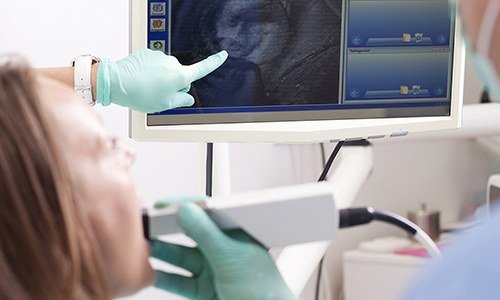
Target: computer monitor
306, 70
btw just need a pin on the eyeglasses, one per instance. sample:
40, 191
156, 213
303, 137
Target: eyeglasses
124, 150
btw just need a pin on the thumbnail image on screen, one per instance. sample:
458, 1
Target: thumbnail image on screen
281, 52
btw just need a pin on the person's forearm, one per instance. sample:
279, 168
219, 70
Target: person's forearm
65, 75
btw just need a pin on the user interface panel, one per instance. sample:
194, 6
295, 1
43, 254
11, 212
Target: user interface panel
309, 59
397, 50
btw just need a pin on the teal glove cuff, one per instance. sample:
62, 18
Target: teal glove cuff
103, 83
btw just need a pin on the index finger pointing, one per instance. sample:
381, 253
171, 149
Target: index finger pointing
203, 68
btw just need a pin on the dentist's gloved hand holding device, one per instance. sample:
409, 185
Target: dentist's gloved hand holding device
227, 265
230, 263
150, 81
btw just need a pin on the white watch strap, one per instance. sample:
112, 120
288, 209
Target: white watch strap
82, 71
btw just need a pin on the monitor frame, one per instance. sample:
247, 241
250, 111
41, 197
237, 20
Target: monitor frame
294, 131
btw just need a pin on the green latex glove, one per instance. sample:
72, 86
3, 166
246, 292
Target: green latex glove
150, 81
225, 265
179, 199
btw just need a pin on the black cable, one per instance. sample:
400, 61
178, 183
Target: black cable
209, 169
326, 169
323, 154
330, 161
318, 279
350, 217
397, 220
357, 216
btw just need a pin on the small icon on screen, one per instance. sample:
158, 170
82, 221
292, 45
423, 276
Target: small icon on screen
355, 93
404, 90
419, 37
416, 89
158, 9
357, 40
157, 25
157, 45
439, 91
406, 38
441, 39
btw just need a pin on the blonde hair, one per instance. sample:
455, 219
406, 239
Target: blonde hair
47, 246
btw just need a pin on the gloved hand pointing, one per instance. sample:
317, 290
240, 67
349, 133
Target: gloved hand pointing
150, 81
227, 265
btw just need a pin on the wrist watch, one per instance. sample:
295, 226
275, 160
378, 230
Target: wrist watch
82, 71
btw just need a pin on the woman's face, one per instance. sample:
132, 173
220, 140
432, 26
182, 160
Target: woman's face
101, 171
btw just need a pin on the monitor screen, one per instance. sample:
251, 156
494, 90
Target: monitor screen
308, 59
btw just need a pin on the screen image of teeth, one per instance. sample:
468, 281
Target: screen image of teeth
397, 50
281, 52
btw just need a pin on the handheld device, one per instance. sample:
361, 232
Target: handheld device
274, 217
282, 216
